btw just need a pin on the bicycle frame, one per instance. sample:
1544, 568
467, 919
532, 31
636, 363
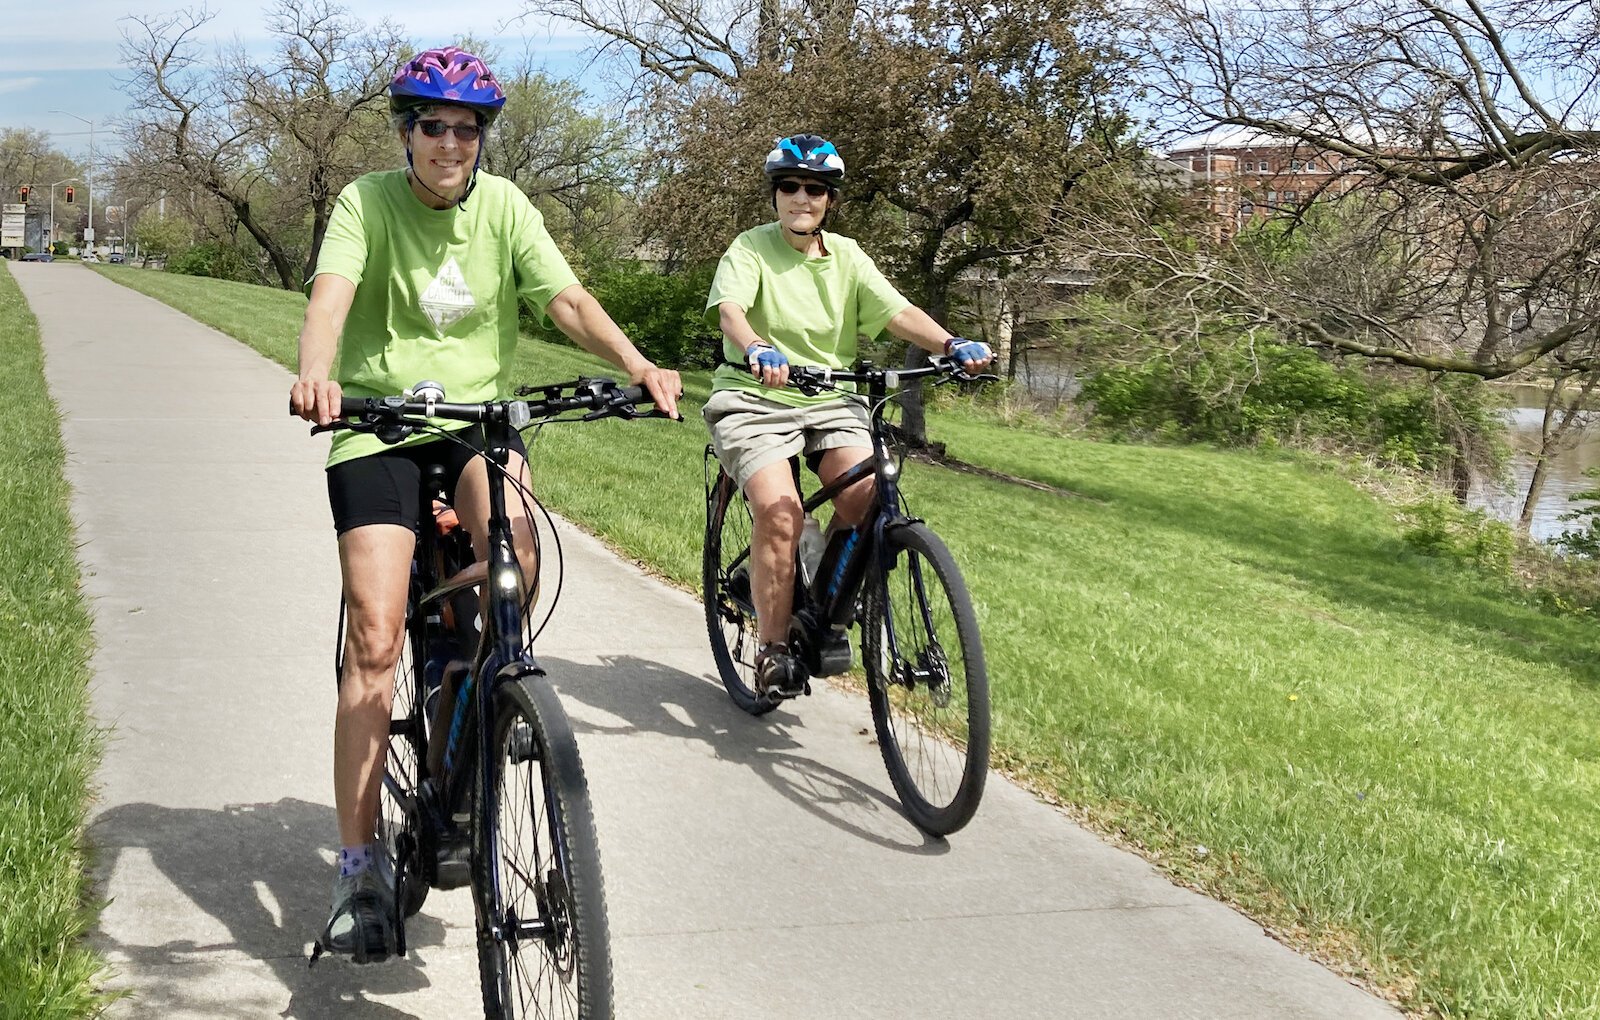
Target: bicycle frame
840, 592
500, 653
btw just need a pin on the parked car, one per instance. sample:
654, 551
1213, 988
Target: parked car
116, 257
38, 256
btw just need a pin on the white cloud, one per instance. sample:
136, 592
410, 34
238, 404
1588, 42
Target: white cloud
17, 84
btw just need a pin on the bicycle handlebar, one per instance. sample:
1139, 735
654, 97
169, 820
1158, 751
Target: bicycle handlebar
812, 378
603, 398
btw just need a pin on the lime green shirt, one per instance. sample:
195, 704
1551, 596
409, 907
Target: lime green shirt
813, 310
437, 290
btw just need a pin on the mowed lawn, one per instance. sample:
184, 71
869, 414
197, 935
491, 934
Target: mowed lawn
48, 747
1227, 660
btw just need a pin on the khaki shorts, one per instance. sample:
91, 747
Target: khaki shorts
749, 432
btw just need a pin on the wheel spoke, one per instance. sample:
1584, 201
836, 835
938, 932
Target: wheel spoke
545, 949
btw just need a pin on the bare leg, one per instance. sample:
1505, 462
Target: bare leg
850, 506
777, 520
374, 561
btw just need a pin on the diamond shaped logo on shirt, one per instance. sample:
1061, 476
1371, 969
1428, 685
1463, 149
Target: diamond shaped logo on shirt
447, 298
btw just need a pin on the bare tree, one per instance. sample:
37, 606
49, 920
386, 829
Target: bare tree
1462, 138
271, 142
183, 131
320, 100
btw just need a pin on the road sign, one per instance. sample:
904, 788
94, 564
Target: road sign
88, 233
13, 222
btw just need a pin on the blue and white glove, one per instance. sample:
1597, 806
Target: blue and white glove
767, 363
968, 352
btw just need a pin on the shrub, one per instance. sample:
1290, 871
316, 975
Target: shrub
1268, 393
661, 312
1439, 526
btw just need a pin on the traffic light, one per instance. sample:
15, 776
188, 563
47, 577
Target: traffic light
69, 194
24, 192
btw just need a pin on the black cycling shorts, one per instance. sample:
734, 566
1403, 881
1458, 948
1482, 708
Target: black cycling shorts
386, 487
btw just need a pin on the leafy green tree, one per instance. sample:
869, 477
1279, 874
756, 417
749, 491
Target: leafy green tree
972, 136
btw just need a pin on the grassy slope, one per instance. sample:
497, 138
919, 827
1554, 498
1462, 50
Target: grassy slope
1379, 754
48, 749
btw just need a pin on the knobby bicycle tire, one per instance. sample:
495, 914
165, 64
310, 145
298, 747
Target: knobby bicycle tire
927, 680
547, 861
726, 592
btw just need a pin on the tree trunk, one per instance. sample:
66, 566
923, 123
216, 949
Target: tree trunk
280, 261
1541, 469
914, 420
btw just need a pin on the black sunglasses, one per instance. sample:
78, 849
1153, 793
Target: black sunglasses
437, 128
814, 190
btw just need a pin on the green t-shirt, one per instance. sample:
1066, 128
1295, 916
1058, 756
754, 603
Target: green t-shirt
813, 310
437, 290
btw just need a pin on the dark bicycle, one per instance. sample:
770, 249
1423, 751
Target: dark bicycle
925, 673
482, 781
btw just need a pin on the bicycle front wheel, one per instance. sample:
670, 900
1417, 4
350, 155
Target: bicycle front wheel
729, 601
927, 680
543, 947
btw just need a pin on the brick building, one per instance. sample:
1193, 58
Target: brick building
1245, 175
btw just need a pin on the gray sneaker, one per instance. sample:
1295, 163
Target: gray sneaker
362, 922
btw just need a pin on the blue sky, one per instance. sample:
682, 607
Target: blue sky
65, 56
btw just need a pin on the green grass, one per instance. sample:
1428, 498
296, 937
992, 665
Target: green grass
1387, 758
48, 748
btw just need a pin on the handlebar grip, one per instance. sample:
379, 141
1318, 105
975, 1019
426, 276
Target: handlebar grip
352, 405
635, 395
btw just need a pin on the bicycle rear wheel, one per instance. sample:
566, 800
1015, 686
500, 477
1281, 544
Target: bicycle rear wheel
927, 680
729, 604
543, 945
399, 816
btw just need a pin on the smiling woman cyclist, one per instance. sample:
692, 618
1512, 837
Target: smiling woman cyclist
419, 277
791, 293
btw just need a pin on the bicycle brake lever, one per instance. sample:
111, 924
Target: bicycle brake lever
337, 425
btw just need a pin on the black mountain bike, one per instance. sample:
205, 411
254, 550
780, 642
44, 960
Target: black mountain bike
482, 781
892, 575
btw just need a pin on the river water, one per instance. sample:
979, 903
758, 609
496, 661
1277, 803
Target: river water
1504, 498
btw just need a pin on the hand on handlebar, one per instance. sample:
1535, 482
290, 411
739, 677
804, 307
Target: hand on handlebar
768, 364
664, 386
971, 355
315, 400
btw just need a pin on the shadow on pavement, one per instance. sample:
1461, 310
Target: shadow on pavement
262, 872
650, 697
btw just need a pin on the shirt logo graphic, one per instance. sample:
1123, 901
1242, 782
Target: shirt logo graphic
447, 298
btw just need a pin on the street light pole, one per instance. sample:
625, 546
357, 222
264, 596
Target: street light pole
89, 177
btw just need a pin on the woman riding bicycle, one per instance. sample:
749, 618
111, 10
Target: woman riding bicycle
790, 293
419, 277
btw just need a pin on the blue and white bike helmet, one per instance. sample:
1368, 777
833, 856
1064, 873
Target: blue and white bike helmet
806, 156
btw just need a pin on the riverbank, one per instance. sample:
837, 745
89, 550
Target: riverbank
1231, 661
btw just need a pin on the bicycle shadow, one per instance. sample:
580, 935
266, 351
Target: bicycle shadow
651, 697
261, 871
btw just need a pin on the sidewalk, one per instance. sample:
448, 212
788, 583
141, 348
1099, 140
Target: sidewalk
754, 868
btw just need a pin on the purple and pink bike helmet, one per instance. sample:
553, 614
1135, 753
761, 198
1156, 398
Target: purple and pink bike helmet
447, 75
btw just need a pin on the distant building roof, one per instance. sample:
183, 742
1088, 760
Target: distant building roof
1232, 136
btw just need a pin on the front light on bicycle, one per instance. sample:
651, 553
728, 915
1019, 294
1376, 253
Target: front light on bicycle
505, 581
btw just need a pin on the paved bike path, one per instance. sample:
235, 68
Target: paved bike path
754, 868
